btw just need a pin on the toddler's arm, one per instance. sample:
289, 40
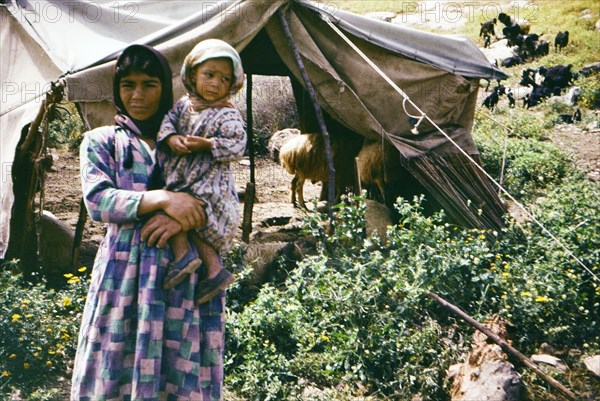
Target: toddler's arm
177, 144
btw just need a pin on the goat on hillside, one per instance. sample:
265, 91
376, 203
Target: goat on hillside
487, 31
492, 99
561, 40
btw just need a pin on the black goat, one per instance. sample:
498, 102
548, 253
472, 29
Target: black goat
527, 77
487, 31
492, 99
561, 40
542, 48
558, 76
590, 69
508, 21
538, 94
510, 97
571, 118
512, 61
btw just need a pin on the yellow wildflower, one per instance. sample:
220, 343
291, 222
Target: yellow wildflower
12, 356
525, 294
5, 373
542, 298
48, 364
68, 275
25, 365
66, 301
15, 317
82, 269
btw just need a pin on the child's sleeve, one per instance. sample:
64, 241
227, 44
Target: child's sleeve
169, 123
230, 144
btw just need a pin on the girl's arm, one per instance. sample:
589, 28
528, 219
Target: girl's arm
108, 203
230, 144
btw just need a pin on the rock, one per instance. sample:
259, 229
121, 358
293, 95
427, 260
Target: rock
586, 14
550, 360
56, 240
386, 16
263, 257
486, 373
592, 363
378, 217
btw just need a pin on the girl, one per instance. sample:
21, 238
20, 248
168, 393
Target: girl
198, 140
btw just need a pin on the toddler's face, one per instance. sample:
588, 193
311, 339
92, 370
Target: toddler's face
213, 78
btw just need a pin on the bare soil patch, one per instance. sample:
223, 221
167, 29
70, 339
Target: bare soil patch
272, 206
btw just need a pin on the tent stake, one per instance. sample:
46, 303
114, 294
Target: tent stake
504, 345
331, 195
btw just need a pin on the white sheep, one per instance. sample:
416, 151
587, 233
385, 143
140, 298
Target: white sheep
278, 139
304, 157
379, 164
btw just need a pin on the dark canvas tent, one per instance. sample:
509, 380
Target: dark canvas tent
75, 44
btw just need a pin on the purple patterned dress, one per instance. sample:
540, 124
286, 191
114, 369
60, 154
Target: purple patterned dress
206, 175
138, 342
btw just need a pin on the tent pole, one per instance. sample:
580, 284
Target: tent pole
250, 192
318, 112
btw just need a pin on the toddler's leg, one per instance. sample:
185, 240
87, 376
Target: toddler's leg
218, 278
185, 261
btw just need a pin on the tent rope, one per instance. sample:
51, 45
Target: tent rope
424, 115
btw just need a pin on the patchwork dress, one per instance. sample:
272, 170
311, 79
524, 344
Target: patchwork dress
138, 342
206, 175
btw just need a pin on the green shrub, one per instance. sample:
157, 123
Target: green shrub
590, 91
529, 165
65, 128
355, 315
38, 329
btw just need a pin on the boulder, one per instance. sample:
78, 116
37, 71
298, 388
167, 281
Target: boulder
56, 241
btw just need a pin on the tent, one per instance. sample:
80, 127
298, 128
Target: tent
50, 47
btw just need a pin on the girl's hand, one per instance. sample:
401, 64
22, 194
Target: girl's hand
177, 144
197, 143
185, 209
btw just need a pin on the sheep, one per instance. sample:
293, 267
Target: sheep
378, 164
491, 101
278, 139
561, 40
304, 157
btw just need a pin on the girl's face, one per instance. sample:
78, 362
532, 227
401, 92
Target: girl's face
213, 78
140, 94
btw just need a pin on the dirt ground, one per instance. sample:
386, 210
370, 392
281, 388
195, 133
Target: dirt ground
272, 206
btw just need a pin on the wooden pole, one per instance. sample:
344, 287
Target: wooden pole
331, 195
250, 192
504, 345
